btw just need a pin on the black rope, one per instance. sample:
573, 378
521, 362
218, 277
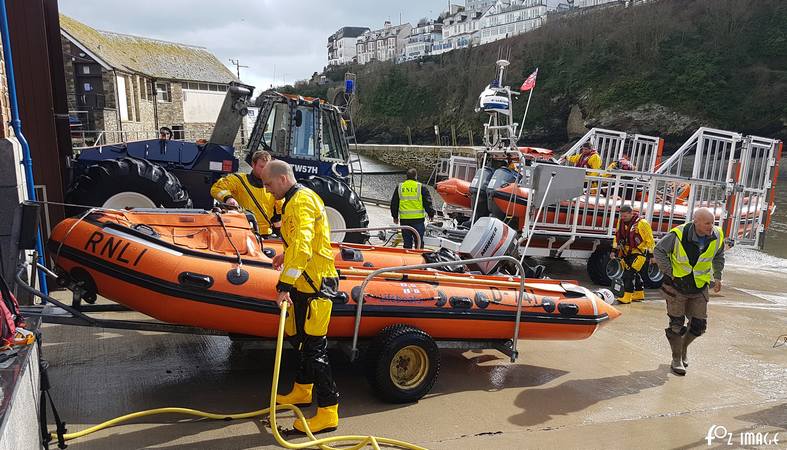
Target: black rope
227, 233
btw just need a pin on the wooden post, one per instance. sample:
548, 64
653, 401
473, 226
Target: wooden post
453, 135
409, 137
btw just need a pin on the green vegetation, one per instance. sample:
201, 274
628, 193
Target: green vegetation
720, 63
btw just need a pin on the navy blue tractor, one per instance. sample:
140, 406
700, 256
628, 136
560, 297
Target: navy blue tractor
307, 133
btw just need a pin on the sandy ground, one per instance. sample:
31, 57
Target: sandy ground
613, 390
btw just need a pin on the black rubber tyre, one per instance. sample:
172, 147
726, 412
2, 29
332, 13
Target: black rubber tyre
338, 195
597, 266
113, 176
651, 276
414, 354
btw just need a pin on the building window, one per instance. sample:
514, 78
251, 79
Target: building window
135, 97
178, 132
163, 93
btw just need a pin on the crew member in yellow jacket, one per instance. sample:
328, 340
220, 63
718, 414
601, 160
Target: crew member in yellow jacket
587, 158
308, 282
632, 244
247, 191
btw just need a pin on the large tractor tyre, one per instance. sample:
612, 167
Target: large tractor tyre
402, 364
127, 182
651, 276
343, 207
599, 267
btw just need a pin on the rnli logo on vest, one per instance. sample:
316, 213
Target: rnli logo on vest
741, 439
113, 248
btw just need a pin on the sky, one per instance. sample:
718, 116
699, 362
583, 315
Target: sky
285, 39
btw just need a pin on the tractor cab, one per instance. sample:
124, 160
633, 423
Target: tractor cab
310, 134
306, 132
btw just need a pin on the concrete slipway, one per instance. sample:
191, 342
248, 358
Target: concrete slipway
614, 390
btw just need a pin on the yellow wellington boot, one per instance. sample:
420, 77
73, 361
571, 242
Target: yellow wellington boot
326, 419
301, 395
638, 296
626, 298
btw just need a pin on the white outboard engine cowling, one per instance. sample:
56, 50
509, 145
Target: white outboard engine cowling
489, 236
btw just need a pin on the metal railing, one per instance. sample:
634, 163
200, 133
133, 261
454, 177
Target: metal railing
724, 171
644, 151
392, 227
92, 138
520, 270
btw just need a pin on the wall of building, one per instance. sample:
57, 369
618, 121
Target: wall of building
201, 106
171, 113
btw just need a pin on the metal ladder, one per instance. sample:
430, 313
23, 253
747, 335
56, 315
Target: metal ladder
356, 165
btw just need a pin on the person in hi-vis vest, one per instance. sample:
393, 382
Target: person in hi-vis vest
410, 204
691, 257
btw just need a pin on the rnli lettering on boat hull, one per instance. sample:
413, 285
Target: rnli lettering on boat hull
113, 248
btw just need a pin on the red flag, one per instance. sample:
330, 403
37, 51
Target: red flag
530, 83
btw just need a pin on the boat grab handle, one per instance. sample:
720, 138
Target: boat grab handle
196, 280
520, 270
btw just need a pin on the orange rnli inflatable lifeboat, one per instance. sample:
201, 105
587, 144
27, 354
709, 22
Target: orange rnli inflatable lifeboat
208, 269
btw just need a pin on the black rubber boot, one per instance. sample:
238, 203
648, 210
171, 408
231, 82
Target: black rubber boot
676, 344
688, 337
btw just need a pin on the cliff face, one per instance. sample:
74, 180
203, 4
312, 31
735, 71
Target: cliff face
662, 68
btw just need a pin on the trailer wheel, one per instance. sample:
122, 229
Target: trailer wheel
402, 364
598, 266
651, 276
127, 182
343, 207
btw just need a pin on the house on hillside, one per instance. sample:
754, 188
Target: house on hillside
129, 86
460, 29
507, 18
423, 37
341, 45
385, 44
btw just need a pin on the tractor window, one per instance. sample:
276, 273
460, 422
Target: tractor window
303, 132
333, 145
274, 135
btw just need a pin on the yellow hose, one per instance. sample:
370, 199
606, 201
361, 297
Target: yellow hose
360, 441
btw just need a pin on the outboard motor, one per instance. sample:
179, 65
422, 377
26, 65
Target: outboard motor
480, 180
501, 176
488, 237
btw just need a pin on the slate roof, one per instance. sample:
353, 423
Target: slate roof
151, 57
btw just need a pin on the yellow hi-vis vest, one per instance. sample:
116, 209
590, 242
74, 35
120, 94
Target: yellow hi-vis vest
411, 202
680, 260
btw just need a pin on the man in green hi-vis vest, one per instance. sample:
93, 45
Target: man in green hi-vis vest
410, 204
690, 256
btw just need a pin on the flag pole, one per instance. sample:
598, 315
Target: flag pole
522, 125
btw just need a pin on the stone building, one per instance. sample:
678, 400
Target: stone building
129, 86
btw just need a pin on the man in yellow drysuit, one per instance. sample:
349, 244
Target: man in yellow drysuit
632, 243
248, 192
308, 282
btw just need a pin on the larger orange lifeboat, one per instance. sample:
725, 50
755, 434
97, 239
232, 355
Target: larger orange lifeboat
210, 270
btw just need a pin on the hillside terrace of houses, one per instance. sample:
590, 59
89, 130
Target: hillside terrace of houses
385, 44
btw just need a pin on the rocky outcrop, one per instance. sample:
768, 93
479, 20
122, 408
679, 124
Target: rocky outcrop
650, 119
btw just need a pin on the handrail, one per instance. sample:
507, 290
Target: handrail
392, 227
520, 268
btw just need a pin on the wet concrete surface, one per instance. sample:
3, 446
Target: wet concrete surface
613, 390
